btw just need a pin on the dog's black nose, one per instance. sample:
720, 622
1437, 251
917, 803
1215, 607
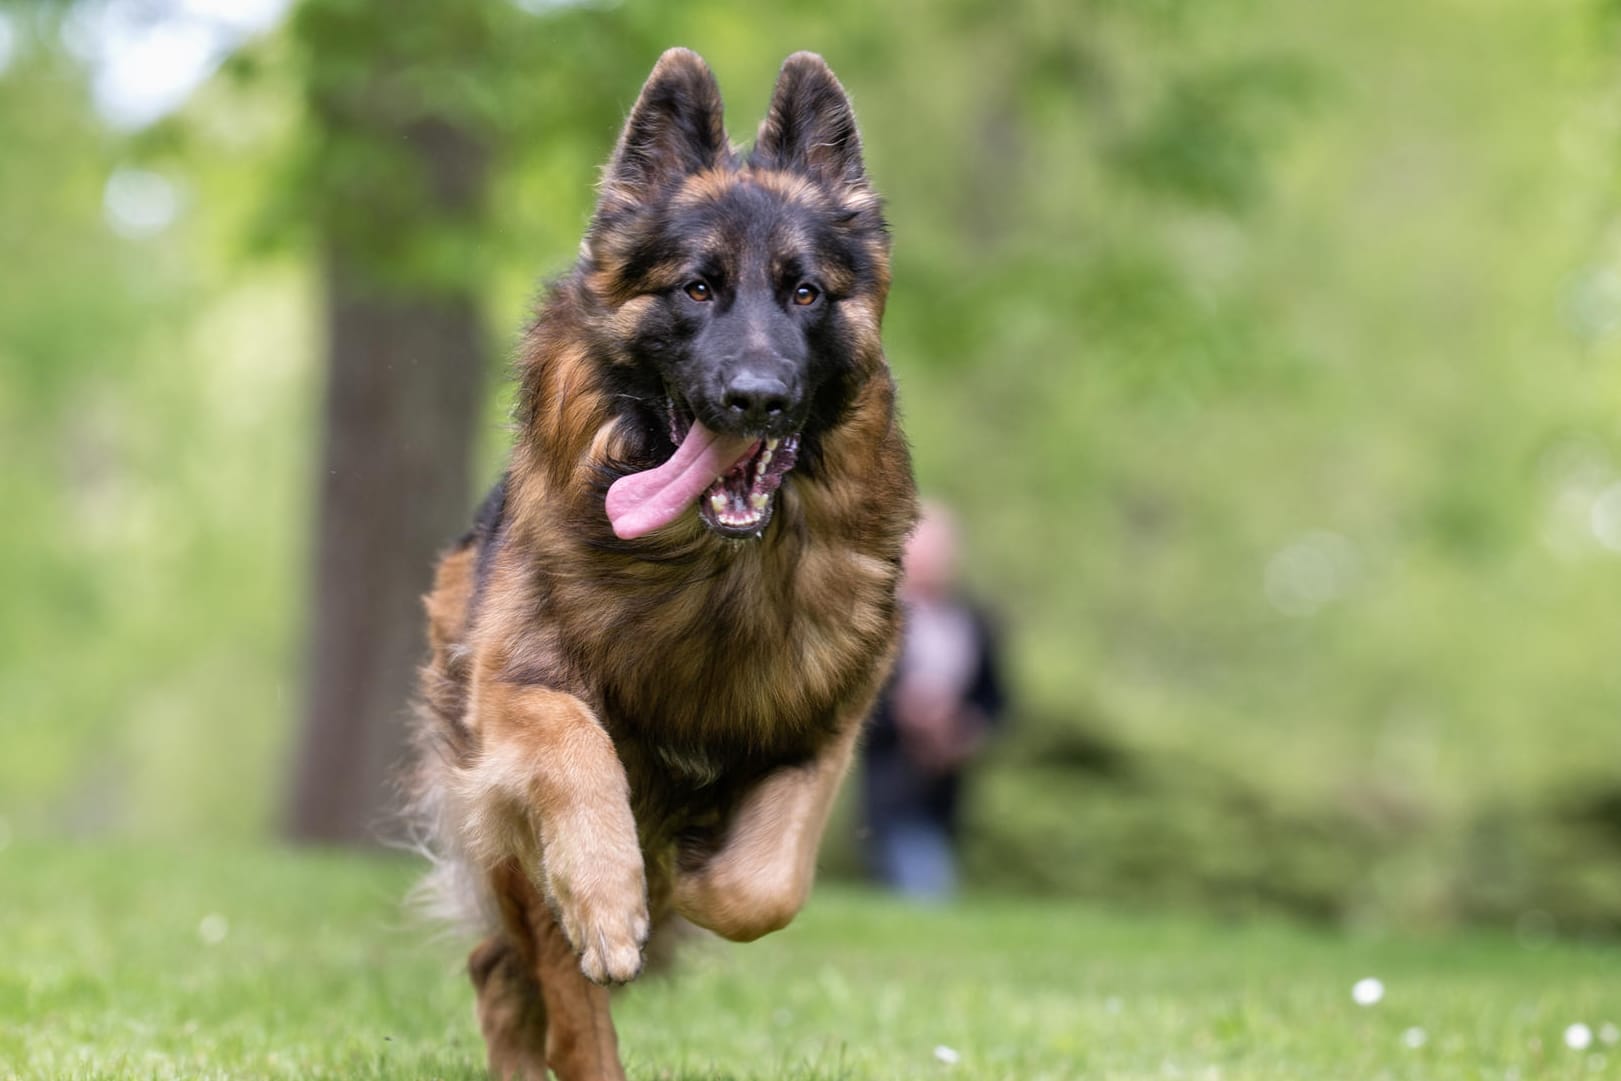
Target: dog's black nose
755, 399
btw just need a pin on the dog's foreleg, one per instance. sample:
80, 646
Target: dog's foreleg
759, 878
548, 790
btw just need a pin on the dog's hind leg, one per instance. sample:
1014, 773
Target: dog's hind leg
758, 879
506, 977
510, 1011
580, 1040
535, 1007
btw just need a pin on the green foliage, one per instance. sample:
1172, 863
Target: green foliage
1554, 866
251, 964
391, 92
140, 569
408, 107
1167, 833
1208, 137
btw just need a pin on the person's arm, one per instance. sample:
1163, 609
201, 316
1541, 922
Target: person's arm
987, 693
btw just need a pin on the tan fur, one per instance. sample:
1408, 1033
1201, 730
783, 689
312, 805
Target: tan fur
547, 790
759, 881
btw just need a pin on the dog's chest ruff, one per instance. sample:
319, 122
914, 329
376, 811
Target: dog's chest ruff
749, 654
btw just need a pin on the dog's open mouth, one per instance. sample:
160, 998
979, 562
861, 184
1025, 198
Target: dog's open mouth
739, 504
733, 479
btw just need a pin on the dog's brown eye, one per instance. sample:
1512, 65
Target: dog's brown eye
806, 294
699, 290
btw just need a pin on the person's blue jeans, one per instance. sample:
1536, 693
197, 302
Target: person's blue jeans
916, 858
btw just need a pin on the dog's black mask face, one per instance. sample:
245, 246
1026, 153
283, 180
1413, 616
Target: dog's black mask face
742, 341
747, 292
752, 337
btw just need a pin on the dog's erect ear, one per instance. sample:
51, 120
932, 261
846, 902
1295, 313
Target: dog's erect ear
675, 129
811, 127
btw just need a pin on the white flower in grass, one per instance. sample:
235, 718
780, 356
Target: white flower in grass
1609, 1033
947, 1055
1578, 1037
213, 928
1415, 1037
1367, 992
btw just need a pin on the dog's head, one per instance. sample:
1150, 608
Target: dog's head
741, 295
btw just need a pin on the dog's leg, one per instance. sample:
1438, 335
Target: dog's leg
535, 1006
549, 790
510, 1011
759, 878
504, 971
580, 1041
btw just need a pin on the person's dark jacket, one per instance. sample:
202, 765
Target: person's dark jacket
893, 785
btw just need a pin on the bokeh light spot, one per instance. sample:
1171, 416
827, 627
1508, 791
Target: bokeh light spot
139, 203
1310, 572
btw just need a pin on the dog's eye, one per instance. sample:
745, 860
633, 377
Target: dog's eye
806, 294
699, 290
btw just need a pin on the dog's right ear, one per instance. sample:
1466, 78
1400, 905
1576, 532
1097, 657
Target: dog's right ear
675, 129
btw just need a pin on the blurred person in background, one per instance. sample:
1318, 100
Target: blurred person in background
942, 702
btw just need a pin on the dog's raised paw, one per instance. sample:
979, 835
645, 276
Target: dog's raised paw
617, 959
600, 898
608, 938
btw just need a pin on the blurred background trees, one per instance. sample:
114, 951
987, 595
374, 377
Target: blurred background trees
396, 178
1266, 349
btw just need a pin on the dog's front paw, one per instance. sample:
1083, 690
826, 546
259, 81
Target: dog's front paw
599, 892
611, 949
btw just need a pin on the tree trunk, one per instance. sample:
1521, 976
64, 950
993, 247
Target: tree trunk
404, 389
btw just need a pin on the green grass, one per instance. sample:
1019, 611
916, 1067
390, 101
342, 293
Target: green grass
135, 963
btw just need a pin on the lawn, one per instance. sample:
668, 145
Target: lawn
140, 963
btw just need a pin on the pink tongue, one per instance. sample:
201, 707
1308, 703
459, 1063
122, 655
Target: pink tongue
642, 502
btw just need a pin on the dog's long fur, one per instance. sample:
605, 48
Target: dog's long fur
616, 733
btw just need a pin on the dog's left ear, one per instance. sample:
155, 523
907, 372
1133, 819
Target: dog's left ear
810, 127
675, 129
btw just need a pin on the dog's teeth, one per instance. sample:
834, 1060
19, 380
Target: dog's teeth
758, 500
765, 459
771, 444
718, 501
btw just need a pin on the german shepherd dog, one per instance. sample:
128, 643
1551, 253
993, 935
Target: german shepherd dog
652, 654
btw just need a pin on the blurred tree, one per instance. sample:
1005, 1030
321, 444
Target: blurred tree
398, 180
416, 110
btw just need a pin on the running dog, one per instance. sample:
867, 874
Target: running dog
652, 654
